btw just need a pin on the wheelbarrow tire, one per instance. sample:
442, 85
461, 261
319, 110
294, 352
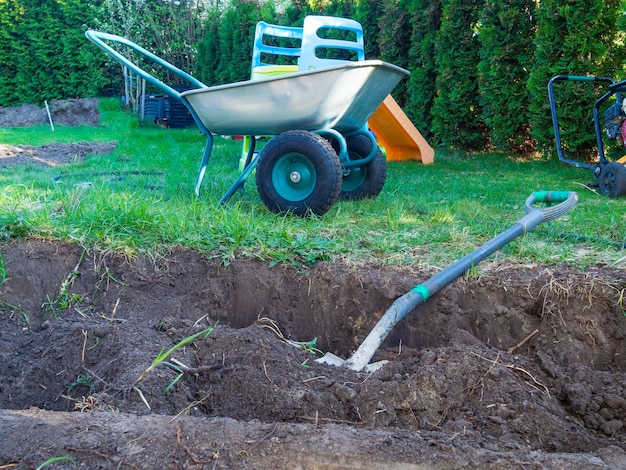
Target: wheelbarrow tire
365, 181
613, 180
298, 172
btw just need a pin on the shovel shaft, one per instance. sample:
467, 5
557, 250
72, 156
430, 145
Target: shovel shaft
420, 293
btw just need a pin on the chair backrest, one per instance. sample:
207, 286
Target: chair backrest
292, 40
316, 45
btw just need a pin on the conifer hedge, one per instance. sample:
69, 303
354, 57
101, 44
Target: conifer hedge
479, 68
44, 53
425, 22
457, 114
506, 53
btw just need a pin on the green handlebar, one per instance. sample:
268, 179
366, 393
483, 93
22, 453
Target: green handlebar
551, 196
566, 200
100, 39
581, 78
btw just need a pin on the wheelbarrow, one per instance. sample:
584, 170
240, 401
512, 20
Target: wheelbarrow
317, 121
611, 175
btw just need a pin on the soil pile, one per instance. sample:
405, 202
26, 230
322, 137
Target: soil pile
70, 112
517, 368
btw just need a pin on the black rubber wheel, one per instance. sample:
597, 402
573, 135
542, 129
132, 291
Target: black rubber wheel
613, 180
365, 181
298, 172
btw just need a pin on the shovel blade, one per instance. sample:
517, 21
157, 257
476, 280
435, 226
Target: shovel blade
333, 360
330, 359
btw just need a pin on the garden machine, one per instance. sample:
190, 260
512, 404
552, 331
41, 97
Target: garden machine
611, 175
316, 118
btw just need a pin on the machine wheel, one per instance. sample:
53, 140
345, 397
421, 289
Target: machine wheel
613, 180
366, 180
298, 172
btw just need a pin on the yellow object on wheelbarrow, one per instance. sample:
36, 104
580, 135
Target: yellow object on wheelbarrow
314, 116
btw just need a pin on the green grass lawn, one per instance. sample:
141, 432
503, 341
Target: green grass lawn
429, 215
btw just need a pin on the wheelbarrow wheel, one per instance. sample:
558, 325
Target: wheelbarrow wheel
364, 181
613, 180
298, 172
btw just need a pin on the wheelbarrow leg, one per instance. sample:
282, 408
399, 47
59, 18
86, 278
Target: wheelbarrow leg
203, 164
251, 162
249, 166
239, 182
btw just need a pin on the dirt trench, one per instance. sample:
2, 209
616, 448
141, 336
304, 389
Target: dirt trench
514, 368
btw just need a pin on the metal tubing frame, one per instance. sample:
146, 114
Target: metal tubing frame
596, 118
344, 157
251, 163
99, 39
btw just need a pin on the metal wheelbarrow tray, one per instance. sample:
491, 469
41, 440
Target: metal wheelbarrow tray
321, 150
341, 97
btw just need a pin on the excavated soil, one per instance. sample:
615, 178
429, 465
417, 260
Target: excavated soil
516, 368
520, 367
70, 112
73, 112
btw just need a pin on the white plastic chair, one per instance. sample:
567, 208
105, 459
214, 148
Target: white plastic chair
261, 68
313, 43
261, 49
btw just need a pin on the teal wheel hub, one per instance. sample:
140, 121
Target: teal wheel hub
354, 179
294, 177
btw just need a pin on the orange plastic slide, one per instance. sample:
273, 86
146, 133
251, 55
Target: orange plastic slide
397, 134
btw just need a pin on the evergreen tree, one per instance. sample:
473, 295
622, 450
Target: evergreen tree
621, 22
294, 13
574, 37
457, 114
340, 8
236, 38
367, 13
11, 14
49, 55
209, 49
78, 74
506, 51
394, 36
421, 92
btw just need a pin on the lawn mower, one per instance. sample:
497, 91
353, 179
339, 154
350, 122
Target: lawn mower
611, 175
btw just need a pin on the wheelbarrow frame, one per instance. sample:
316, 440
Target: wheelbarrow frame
99, 39
102, 39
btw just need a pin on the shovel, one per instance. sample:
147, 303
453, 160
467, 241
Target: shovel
564, 200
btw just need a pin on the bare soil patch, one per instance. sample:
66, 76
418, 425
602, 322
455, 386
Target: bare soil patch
78, 328
69, 112
72, 112
52, 154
